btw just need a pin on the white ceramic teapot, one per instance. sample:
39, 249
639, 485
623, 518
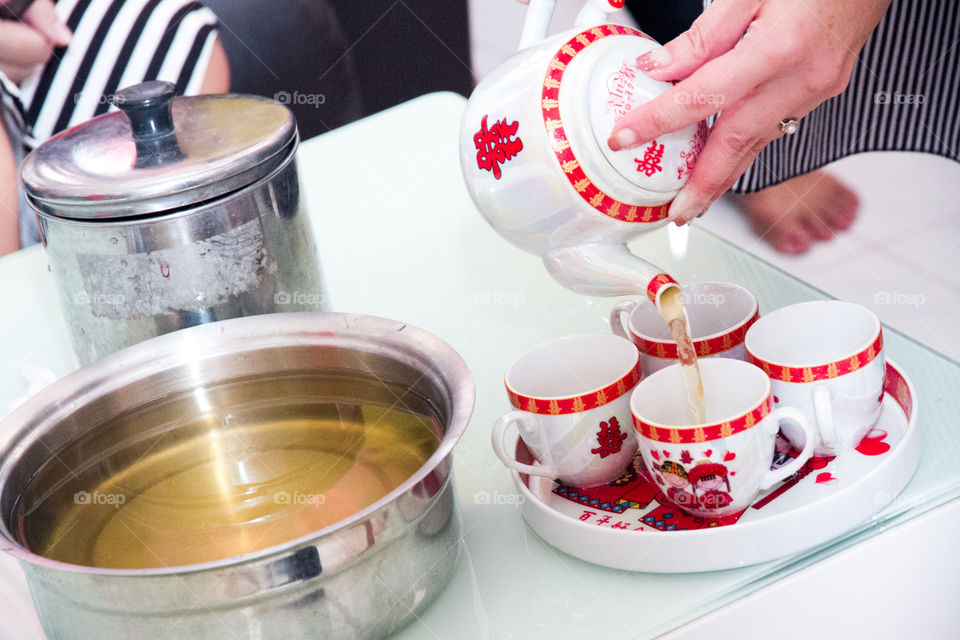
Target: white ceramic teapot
533, 148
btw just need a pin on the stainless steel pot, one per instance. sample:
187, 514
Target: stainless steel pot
361, 577
177, 212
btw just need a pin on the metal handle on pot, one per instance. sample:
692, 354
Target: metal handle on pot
148, 107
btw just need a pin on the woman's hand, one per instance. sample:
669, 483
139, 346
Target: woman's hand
760, 62
28, 42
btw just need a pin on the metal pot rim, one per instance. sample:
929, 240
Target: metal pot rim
52, 404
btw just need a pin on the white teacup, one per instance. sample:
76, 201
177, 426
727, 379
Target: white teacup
716, 468
720, 314
572, 396
826, 359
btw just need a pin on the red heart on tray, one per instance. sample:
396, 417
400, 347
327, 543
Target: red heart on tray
655, 454
666, 454
708, 452
873, 444
728, 456
826, 478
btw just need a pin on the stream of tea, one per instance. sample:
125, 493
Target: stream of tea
675, 315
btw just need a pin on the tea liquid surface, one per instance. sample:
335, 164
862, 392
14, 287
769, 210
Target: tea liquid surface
234, 489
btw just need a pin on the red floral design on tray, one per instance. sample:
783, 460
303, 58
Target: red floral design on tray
496, 145
610, 438
702, 483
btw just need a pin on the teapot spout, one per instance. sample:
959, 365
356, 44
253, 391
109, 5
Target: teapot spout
607, 270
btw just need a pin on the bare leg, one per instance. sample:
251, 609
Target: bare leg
795, 214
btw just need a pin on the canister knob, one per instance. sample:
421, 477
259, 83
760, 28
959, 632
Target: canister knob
148, 107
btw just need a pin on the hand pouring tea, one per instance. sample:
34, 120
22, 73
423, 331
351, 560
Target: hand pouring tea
534, 155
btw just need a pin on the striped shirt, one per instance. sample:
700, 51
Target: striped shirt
903, 96
115, 44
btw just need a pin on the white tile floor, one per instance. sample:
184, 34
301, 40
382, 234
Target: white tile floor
902, 255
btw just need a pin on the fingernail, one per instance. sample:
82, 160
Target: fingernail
62, 34
684, 208
654, 59
622, 139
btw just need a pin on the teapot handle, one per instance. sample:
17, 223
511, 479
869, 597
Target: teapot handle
539, 13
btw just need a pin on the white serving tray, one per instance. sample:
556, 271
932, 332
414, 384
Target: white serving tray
624, 527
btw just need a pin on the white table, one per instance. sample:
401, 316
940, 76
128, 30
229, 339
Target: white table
399, 237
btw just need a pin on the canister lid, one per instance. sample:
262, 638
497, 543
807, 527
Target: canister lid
159, 154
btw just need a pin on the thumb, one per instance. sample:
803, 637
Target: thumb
714, 33
42, 18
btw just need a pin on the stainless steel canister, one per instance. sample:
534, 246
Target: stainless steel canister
172, 213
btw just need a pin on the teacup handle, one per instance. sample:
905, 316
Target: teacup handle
500, 448
823, 409
794, 415
616, 317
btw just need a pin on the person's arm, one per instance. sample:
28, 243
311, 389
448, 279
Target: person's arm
9, 211
760, 61
217, 77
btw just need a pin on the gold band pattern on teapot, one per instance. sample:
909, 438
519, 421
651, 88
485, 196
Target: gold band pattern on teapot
560, 144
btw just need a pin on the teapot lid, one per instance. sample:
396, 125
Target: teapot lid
609, 85
158, 155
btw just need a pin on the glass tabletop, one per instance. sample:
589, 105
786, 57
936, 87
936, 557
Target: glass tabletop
428, 258
399, 237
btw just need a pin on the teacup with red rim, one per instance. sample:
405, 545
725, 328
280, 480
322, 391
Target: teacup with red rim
714, 468
572, 399
825, 358
720, 314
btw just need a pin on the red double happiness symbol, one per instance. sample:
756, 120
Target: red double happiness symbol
496, 145
557, 135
